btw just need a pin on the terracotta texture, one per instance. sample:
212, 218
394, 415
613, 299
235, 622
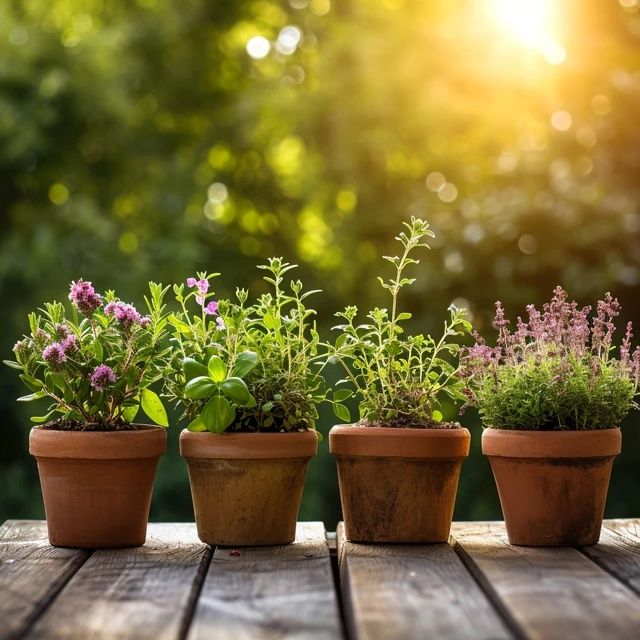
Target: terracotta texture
247, 487
97, 485
552, 484
398, 485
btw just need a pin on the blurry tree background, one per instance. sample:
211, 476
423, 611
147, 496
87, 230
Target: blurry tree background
147, 139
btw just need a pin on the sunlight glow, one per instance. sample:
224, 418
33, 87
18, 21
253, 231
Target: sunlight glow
530, 22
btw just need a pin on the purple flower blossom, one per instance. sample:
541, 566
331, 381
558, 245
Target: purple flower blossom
84, 297
102, 377
54, 355
212, 308
220, 323
23, 348
191, 282
62, 330
70, 344
125, 314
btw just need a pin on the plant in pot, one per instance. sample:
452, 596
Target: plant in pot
95, 366
552, 394
244, 376
398, 467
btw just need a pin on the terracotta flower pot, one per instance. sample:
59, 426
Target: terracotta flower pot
97, 485
552, 484
398, 485
247, 487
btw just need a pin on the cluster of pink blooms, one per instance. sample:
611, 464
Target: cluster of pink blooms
84, 297
55, 354
210, 308
102, 377
125, 314
561, 329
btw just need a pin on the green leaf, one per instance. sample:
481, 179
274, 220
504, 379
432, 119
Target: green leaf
218, 414
341, 412
153, 407
245, 361
199, 388
437, 415
192, 369
403, 316
42, 419
197, 425
32, 383
217, 368
182, 327
98, 350
32, 396
13, 365
342, 394
235, 389
129, 413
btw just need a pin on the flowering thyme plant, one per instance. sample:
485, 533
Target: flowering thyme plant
399, 380
246, 367
96, 364
556, 371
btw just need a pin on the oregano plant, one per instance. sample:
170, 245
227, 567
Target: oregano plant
399, 379
94, 364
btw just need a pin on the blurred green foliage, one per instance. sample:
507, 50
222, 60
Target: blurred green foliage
139, 140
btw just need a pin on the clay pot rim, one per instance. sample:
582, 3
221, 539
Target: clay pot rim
248, 446
148, 441
512, 443
390, 442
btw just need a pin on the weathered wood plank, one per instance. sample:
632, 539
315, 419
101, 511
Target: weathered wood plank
412, 591
146, 592
619, 551
548, 593
31, 573
270, 592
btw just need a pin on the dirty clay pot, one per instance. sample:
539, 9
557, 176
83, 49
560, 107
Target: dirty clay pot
247, 487
552, 484
398, 485
97, 485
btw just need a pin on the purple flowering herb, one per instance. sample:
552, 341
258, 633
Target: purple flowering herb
191, 282
54, 355
212, 308
102, 377
84, 297
62, 330
125, 314
70, 344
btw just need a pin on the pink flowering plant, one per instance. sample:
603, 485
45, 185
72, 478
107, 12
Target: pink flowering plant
94, 364
399, 379
557, 370
239, 366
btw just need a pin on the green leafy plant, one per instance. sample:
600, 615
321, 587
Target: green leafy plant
556, 371
399, 380
95, 365
247, 367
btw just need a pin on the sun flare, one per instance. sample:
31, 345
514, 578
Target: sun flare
530, 23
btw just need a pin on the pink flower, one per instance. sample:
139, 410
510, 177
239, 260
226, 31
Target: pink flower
102, 377
84, 297
220, 323
212, 308
191, 282
125, 314
54, 355
70, 344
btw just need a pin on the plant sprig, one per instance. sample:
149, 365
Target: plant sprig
399, 380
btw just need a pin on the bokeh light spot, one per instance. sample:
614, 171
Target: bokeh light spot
128, 242
435, 181
527, 244
58, 193
561, 120
258, 47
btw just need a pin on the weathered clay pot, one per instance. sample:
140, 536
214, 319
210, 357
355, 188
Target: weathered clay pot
97, 485
552, 484
247, 487
398, 485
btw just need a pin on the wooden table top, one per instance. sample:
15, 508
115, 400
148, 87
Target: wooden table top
175, 587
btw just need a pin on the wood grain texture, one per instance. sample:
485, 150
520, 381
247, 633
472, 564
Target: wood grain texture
412, 591
619, 551
270, 592
31, 573
143, 592
548, 593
